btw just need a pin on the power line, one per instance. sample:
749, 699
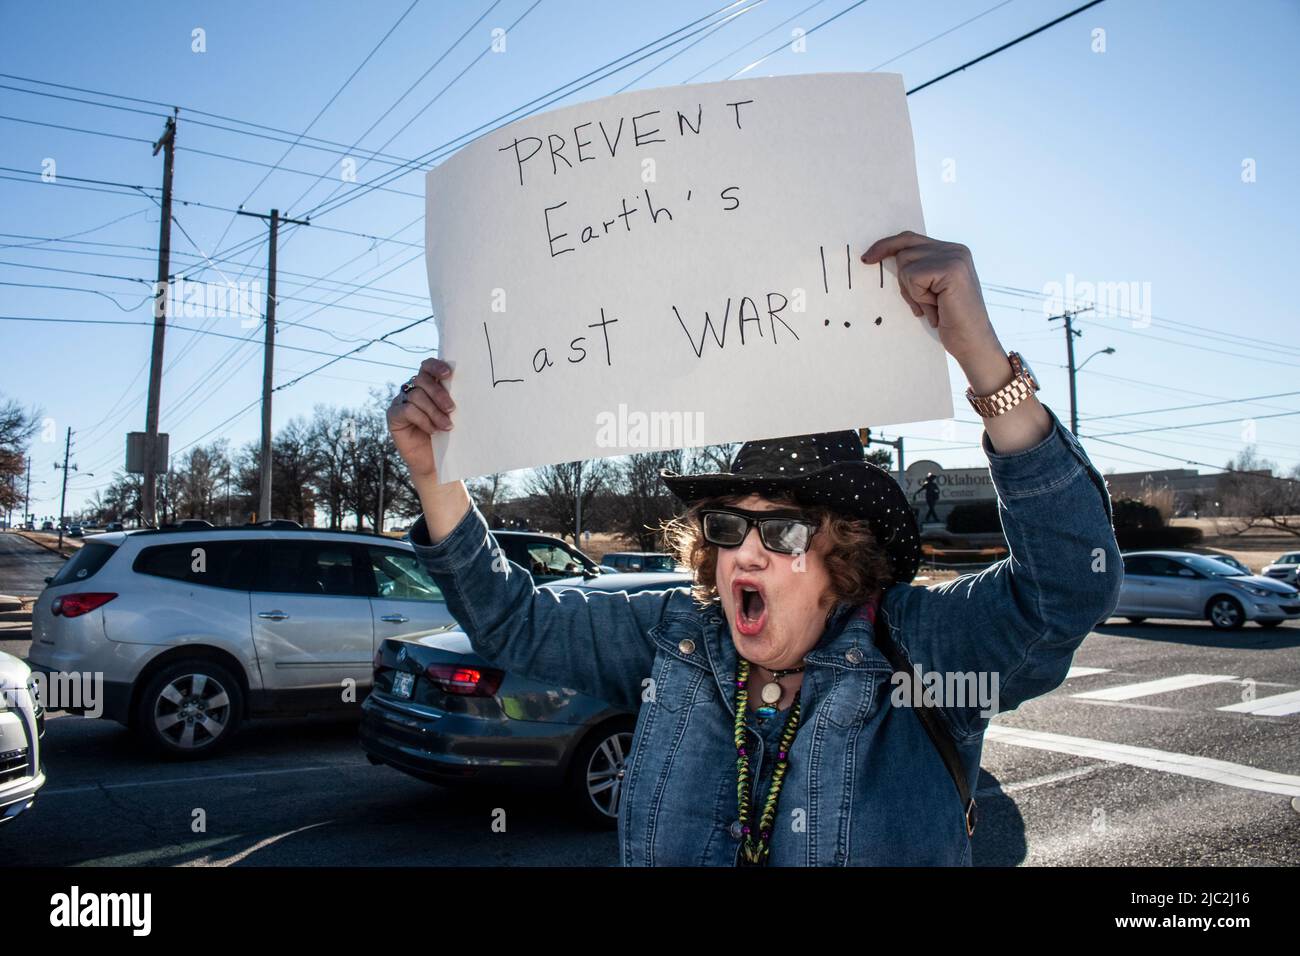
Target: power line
1005, 46
319, 114
536, 103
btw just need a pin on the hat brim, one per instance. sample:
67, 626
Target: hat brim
858, 489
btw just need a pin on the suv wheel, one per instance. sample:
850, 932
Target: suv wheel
1225, 613
190, 709
596, 778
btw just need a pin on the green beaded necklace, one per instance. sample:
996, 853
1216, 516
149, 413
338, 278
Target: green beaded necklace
755, 847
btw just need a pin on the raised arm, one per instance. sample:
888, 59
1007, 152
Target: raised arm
1022, 618
597, 643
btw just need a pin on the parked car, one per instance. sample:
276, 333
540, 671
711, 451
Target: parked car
1178, 584
1286, 568
640, 561
545, 557
442, 713
195, 630
22, 725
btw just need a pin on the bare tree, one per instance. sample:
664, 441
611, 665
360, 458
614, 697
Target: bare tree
1254, 495
556, 490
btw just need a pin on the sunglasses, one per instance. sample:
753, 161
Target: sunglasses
786, 532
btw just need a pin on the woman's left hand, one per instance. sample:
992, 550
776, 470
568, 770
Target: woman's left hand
938, 280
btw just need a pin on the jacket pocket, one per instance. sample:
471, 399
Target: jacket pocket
680, 670
853, 694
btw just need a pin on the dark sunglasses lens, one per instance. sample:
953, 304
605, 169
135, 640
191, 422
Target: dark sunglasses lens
785, 535
724, 529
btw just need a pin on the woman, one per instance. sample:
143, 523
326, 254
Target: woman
770, 728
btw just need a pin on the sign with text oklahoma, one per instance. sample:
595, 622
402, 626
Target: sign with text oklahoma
676, 267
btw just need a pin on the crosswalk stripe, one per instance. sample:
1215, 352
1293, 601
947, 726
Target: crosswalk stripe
1187, 765
1148, 687
1086, 671
1278, 705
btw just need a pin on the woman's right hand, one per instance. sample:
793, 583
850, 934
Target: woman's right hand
414, 416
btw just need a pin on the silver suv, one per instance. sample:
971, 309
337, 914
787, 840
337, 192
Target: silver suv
22, 724
180, 634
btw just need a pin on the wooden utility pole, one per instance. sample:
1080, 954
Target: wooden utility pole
168, 145
63, 496
1070, 333
268, 358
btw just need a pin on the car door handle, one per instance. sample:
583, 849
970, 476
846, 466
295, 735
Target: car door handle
273, 615
395, 618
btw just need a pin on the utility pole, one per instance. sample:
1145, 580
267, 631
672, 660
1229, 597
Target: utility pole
1070, 333
379, 514
63, 496
168, 145
27, 495
268, 358
577, 510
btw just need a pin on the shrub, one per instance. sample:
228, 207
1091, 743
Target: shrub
976, 517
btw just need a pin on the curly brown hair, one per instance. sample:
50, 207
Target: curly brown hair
858, 567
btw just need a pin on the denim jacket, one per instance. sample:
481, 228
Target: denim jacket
865, 785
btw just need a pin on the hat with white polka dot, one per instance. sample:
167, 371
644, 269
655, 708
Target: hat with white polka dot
827, 469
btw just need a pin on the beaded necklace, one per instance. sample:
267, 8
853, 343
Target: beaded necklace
755, 847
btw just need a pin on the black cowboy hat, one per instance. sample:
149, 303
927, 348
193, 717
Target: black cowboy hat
827, 469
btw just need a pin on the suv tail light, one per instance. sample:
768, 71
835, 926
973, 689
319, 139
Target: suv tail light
468, 681
75, 605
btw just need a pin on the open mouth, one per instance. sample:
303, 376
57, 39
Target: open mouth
751, 607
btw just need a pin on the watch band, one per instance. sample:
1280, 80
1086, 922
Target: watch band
1022, 385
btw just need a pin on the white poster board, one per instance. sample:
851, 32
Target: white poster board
677, 267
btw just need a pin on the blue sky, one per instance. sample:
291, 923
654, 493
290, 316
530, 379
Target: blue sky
1054, 162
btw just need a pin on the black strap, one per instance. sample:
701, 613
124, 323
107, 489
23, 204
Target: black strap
942, 740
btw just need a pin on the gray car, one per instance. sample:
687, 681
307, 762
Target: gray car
443, 714
22, 725
1179, 584
1286, 568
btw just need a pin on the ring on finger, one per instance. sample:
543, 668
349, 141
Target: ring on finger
408, 384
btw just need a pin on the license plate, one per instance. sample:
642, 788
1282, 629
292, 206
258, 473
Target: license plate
402, 684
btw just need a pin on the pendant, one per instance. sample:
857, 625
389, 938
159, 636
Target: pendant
764, 712
771, 693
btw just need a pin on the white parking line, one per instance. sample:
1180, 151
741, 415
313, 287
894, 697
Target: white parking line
1148, 687
1086, 671
1279, 705
1187, 765
171, 781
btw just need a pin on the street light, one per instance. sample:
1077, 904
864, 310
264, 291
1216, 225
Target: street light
1106, 351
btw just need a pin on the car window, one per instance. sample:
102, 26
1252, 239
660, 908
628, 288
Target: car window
218, 564
549, 559
1138, 564
1167, 568
311, 567
82, 565
401, 576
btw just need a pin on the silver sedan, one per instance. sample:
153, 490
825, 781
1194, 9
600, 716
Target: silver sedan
1179, 584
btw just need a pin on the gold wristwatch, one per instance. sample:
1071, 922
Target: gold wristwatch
1022, 385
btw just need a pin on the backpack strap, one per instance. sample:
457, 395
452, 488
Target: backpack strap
935, 729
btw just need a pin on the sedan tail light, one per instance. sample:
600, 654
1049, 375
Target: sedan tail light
75, 605
469, 681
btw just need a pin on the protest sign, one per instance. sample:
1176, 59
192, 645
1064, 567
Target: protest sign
676, 267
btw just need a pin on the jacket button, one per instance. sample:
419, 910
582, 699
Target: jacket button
687, 646
853, 655
735, 830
